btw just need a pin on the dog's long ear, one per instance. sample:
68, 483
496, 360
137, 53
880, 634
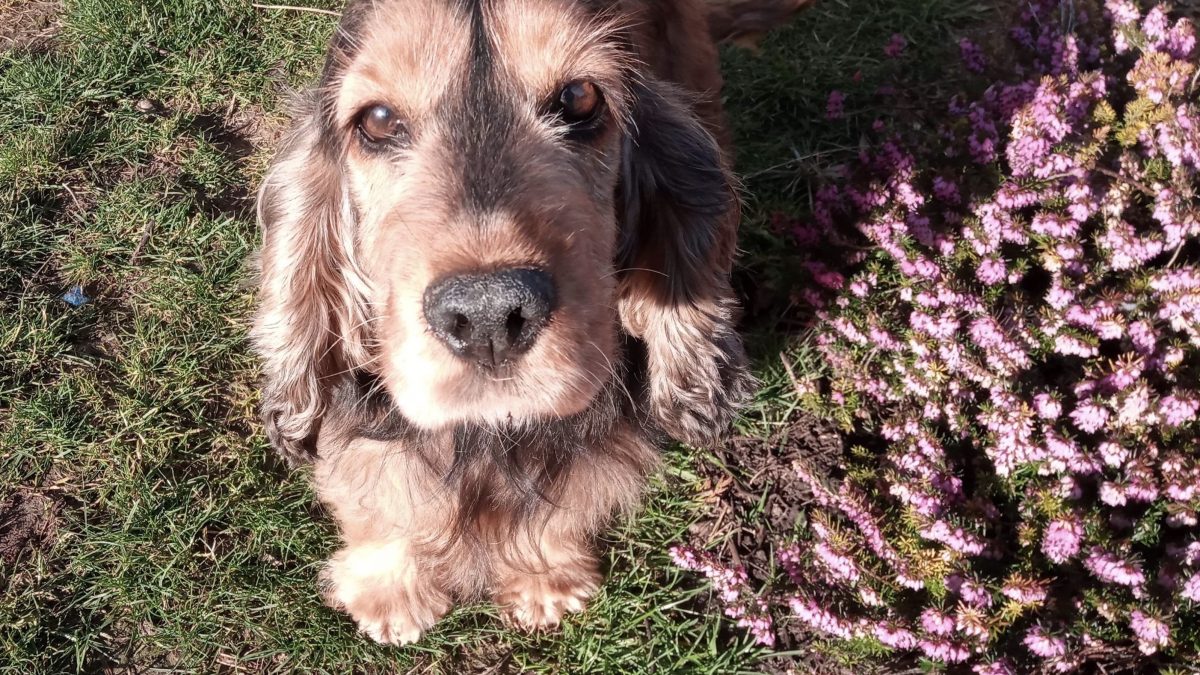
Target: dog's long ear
312, 315
679, 239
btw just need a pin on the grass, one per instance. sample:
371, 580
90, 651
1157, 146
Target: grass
129, 149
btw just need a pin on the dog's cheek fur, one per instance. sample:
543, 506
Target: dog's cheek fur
680, 226
312, 311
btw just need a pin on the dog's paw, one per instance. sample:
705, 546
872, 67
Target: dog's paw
534, 602
381, 591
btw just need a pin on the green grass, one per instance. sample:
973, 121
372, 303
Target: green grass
181, 543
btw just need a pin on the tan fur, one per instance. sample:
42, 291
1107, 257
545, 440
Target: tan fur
450, 481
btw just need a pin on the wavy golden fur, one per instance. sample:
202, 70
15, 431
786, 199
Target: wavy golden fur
454, 472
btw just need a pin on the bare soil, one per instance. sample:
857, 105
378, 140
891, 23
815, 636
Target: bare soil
29, 25
28, 523
757, 501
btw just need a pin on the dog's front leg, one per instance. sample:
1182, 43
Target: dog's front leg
379, 493
550, 566
540, 582
381, 585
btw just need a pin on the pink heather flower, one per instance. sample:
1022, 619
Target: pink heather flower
1089, 416
1043, 644
1155, 26
1112, 493
1152, 634
895, 46
894, 635
946, 651
1181, 40
972, 56
1072, 346
839, 565
1062, 539
1123, 12
971, 592
1177, 411
946, 190
1111, 569
956, 538
812, 613
759, 624
1113, 454
1191, 588
835, 108
1024, 592
1047, 407
991, 271
1000, 667
728, 582
935, 622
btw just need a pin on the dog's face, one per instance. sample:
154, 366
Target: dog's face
479, 195
481, 149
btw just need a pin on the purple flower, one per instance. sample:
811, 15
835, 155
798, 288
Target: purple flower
815, 616
971, 592
1089, 416
835, 106
1043, 644
1000, 667
972, 56
895, 46
894, 635
1062, 539
935, 622
947, 651
1191, 588
1178, 410
1024, 591
1152, 634
1111, 569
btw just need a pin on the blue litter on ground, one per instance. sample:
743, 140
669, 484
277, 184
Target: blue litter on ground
75, 297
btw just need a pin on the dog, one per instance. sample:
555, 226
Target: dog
495, 277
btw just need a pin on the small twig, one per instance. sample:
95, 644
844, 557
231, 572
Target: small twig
503, 662
75, 199
791, 375
1141, 186
294, 8
1175, 255
145, 239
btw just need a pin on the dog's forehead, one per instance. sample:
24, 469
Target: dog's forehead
415, 54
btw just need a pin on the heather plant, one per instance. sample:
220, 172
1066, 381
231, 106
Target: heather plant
1018, 348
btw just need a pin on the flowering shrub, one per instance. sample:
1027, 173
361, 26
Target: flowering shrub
1024, 342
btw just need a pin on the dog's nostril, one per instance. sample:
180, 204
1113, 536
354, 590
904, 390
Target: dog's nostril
461, 330
514, 325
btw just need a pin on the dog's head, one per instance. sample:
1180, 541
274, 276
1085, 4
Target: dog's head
460, 203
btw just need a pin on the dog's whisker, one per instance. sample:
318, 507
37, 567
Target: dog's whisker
636, 269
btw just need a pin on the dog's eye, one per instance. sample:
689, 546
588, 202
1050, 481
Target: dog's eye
378, 124
579, 104
579, 100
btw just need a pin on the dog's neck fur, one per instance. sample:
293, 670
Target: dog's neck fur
514, 469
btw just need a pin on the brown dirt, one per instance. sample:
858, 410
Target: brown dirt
29, 25
28, 522
756, 501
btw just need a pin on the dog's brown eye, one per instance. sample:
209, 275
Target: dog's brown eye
579, 101
379, 123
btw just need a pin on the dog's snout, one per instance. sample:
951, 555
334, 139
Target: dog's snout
490, 318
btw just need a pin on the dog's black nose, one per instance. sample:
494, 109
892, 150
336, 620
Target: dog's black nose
490, 318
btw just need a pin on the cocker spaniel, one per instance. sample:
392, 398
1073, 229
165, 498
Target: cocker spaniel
495, 275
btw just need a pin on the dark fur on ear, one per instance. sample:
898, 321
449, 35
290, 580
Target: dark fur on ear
312, 313
680, 232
